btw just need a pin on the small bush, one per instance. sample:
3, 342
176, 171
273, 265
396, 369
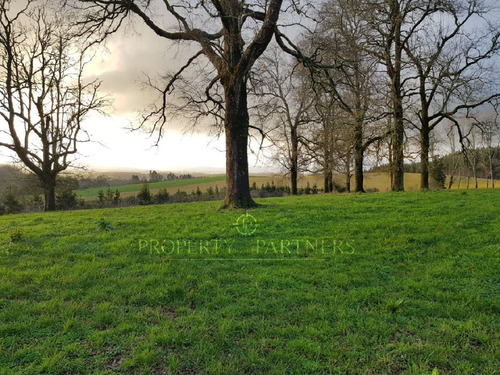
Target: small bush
10, 203
144, 196
116, 198
162, 196
66, 200
101, 197
181, 196
308, 189
437, 173
104, 225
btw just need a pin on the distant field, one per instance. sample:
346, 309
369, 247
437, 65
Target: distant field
416, 290
373, 181
169, 185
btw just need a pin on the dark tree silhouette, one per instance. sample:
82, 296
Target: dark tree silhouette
230, 34
43, 97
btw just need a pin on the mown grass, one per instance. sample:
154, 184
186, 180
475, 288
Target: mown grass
420, 291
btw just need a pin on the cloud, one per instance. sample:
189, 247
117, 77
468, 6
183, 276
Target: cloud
129, 56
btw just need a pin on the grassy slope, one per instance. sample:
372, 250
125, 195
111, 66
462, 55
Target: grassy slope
379, 181
422, 290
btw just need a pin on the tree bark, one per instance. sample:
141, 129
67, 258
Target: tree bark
294, 159
492, 177
394, 70
424, 157
348, 173
236, 124
398, 145
49, 191
328, 181
358, 158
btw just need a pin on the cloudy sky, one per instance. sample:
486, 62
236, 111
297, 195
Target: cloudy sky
130, 54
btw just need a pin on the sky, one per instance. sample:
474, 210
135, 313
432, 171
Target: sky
121, 66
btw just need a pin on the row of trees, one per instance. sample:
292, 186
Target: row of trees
383, 77
361, 74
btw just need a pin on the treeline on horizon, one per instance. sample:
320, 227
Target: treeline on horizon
24, 182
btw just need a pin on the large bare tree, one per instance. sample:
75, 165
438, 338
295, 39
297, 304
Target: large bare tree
283, 107
394, 22
43, 96
342, 40
451, 55
230, 34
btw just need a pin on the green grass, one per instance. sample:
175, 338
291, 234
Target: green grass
421, 290
134, 188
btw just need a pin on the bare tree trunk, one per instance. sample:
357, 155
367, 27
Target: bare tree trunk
450, 183
328, 180
358, 158
358, 173
424, 156
391, 163
49, 192
491, 171
348, 173
294, 159
397, 99
398, 146
236, 129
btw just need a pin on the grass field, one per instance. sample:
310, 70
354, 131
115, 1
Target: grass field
411, 284
171, 186
373, 181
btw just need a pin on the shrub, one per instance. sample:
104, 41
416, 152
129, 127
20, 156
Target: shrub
162, 196
66, 200
144, 196
104, 225
181, 196
116, 198
437, 173
101, 198
308, 189
10, 203
109, 195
